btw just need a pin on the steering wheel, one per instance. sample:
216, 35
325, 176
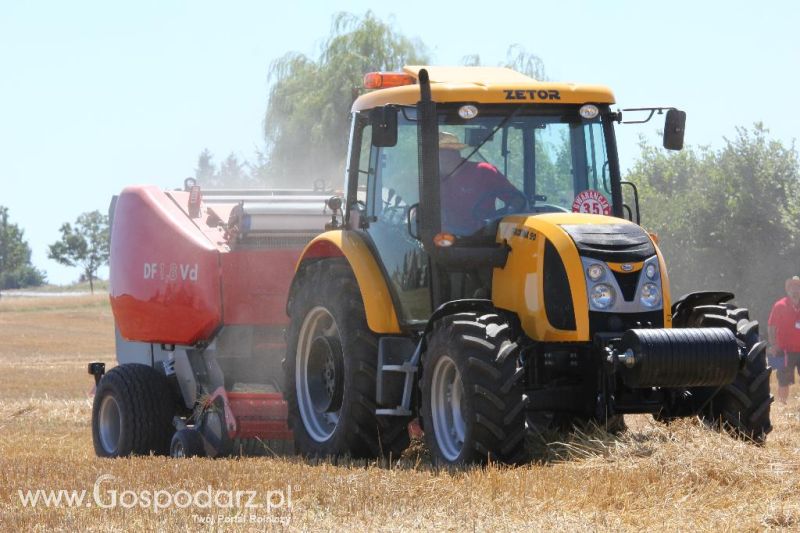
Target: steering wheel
549, 208
516, 204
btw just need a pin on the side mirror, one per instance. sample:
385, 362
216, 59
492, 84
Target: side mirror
674, 127
384, 126
412, 222
334, 203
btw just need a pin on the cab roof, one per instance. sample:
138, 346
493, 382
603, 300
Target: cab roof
487, 85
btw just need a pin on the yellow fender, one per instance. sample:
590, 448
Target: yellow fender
378, 305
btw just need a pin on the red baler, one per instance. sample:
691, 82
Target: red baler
199, 282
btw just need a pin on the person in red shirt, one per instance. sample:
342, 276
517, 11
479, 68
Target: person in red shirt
469, 190
784, 337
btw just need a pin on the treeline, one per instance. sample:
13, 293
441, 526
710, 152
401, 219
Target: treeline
728, 219
84, 244
307, 118
16, 270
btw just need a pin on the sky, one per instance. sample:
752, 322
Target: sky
98, 95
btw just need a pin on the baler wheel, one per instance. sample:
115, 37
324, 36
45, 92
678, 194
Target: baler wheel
187, 443
132, 412
330, 370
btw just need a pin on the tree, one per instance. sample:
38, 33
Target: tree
517, 58
206, 171
306, 123
231, 173
85, 246
16, 270
728, 219
307, 119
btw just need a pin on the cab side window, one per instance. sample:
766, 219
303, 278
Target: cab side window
387, 182
392, 188
365, 167
397, 184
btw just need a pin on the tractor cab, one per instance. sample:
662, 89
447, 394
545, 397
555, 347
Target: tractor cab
435, 179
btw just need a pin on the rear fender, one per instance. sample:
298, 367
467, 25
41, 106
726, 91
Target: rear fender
378, 305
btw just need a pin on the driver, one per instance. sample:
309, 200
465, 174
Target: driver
469, 190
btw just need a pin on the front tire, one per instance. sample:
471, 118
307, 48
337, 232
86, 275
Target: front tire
330, 370
472, 401
742, 407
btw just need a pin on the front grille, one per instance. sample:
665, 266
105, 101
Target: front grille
557, 296
627, 284
619, 322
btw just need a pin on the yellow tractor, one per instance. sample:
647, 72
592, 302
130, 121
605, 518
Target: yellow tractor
484, 273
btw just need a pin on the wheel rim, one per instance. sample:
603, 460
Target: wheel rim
324, 374
110, 424
447, 393
313, 376
178, 450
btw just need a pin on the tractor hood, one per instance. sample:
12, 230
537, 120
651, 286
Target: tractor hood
543, 279
598, 236
617, 242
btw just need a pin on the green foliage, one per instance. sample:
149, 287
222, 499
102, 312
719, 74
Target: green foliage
307, 121
86, 245
231, 173
517, 58
308, 115
728, 219
16, 270
206, 171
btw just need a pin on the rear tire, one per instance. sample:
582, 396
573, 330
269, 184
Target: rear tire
472, 403
742, 407
132, 412
335, 415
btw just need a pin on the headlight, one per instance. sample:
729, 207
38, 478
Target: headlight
588, 111
595, 272
467, 112
602, 296
651, 271
651, 295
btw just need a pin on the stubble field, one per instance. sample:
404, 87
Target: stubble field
652, 477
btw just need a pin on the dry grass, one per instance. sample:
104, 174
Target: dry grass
680, 477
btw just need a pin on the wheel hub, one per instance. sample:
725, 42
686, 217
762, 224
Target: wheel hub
325, 374
319, 381
109, 424
178, 450
447, 392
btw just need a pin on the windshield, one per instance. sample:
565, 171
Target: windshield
518, 161
508, 159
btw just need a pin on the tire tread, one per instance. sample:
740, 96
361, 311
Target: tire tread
483, 347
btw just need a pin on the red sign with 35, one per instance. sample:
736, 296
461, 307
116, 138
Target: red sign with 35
591, 201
